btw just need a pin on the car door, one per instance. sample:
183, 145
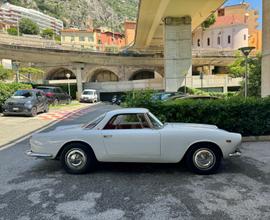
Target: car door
39, 101
60, 94
129, 138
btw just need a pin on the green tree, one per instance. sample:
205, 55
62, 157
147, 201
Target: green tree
27, 26
5, 73
31, 73
237, 69
209, 21
47, 33
12, 31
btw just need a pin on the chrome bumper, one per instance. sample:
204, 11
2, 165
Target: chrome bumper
38, 155
237, 153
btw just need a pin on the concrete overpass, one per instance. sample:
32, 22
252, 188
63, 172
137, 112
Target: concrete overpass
168, 25
85, 65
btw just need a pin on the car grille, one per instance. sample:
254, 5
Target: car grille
17, 107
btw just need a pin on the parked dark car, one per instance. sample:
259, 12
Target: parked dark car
162, 96
26, 102
55, 95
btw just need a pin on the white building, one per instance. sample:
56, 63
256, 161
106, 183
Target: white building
11, 15
228, 33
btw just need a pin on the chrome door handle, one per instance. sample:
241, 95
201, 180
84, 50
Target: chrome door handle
107, 136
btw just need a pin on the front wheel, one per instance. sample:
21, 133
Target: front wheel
203, 159
33, 112
77, 158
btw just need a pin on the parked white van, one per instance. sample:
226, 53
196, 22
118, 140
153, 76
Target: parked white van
89, 95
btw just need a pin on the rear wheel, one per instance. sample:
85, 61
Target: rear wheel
204, 159
78, 158
46, 108
55, 102
68, 101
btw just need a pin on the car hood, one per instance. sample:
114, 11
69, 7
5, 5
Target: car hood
68, 127
18, 100
190, 125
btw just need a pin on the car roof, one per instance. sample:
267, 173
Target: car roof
199, 96
89, 90
128, 111
49, 87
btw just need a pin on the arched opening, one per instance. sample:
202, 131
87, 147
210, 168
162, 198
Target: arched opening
103, 75
143, 74
60, 74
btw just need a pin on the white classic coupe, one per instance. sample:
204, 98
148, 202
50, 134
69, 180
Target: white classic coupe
135, 135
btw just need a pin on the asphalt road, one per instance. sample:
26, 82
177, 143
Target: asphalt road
37, 189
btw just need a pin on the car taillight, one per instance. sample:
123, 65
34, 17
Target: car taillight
49, 94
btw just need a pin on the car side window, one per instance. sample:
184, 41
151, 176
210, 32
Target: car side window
58, 90
127, 121
38, 94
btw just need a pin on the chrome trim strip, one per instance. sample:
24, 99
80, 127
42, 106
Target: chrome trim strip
237, 153
39, 155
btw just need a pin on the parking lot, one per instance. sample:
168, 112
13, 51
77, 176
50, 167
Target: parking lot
37, 189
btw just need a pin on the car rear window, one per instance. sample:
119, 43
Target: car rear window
88, 93
44, 89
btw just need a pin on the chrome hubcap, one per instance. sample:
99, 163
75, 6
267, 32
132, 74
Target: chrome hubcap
76, 158
204, 158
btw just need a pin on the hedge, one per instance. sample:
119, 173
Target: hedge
7, 89
248, 117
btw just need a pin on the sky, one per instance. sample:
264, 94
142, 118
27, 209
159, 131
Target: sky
256, 4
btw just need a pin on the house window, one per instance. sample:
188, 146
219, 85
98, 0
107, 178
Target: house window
81, 38
91, 38
245, 37
208, 41
198, 42
218, 41
72, 38
221, 12
229, 39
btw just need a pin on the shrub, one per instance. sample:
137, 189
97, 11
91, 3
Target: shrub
248, 117
7, 89
138, 98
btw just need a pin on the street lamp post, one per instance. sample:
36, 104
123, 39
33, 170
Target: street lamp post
201, 78
15, 66
68, 77
246, 51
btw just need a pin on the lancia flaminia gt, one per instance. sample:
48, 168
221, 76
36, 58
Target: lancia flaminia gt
136, 135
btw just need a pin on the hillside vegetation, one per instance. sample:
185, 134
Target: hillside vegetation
109, 13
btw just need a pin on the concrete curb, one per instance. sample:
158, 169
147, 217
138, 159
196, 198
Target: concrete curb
256, 138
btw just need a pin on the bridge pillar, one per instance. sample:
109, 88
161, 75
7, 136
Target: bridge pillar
266, 50
78, 70
177, 51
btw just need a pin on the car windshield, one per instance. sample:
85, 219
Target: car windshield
95, 122
156, 123
88, 93
23, 94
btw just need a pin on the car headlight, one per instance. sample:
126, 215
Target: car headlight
28, 103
